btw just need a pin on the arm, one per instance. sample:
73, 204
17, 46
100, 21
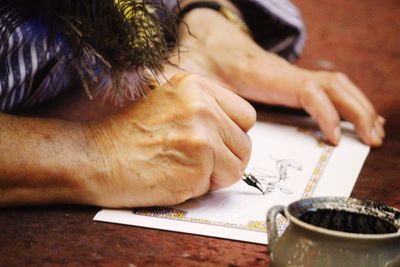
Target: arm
176, 143
185, 138
221, 51
276, 25
43, 161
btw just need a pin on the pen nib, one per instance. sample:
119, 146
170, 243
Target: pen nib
251, 180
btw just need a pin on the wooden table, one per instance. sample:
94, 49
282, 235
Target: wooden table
359, 37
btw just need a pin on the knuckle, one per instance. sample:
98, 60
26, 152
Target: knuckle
181, 77
177, 78
362, 121
339, 76
310, 90
186, 81
192, 142
362, 118
200, 146
197, 141
200, 143
192, 78
198, 107
336, 79
202, 113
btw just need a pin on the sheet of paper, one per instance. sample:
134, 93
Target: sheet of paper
290, 163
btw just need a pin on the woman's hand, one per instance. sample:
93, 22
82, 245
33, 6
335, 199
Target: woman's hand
181, 140
218, 49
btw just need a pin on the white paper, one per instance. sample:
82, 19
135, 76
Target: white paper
291, 163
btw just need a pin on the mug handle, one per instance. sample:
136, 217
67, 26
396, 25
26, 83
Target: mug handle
272, 227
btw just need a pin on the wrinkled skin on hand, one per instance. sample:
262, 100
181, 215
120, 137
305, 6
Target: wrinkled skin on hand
220, 50
181, 140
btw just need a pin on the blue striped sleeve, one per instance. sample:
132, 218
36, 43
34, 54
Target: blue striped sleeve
30, 70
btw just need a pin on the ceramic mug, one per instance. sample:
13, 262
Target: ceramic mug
335, 231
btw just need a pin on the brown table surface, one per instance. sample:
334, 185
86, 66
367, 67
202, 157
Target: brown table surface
358, 37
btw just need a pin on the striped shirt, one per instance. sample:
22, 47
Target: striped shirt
33, 71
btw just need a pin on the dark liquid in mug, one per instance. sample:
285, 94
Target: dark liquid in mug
345, 221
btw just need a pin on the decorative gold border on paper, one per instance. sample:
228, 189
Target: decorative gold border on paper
257, 226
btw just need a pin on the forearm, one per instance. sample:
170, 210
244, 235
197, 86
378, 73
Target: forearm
42, 161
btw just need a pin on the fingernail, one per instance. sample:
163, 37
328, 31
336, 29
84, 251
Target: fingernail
379, 129
381, 120
375, 137
336, 135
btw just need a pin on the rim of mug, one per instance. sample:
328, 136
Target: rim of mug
336, 233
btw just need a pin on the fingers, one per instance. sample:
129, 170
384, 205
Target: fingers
228, 169
234, 145
236, 140
238, 109
343, 81
379, 121
232, 150
224, 119
317, 103
354, 106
